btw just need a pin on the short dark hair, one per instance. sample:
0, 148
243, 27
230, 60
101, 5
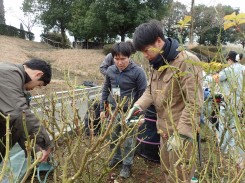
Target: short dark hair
122, 48
147, 34
232, 55
38, 64
133, 50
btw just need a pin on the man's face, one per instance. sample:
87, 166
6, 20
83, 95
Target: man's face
230, 62
35, 75
152, 51
33, 84
121, 61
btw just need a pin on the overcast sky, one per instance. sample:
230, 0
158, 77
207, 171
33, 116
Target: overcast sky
13, 13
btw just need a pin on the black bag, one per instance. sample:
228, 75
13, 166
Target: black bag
89, 83
93, 113
148, 138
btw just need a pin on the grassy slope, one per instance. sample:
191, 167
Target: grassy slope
84, 64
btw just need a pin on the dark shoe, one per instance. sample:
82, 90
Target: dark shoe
126, 171
114, 162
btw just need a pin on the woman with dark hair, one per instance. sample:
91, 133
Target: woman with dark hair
230, 81
240, 56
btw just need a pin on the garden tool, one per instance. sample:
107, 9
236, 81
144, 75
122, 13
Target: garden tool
47, 167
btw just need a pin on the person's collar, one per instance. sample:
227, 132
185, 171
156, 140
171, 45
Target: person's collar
27, 77
169, 53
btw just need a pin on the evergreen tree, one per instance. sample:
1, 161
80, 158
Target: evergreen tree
2, 13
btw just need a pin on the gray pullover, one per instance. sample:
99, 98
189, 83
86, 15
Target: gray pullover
131, 81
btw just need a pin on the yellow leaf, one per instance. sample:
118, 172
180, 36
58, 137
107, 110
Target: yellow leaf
241, 21
162, 68
180, 74
241, 16
180, 48
157, 50
227, 25
230, 17
187, 19
183, 23
159, 131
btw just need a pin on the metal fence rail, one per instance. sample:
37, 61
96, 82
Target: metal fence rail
64, 101
91, 93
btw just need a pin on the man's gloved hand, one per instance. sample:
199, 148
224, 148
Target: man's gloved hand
134, 111
176, 142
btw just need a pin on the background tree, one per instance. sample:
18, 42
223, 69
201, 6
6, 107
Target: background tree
105, 19
240, 37
192, 22
235, 23
2, 13
208, 22
22, 33
176, 13
123, 16
87, 21
31, 13
55, 14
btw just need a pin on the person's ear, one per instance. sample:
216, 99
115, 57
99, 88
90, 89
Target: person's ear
159, 42
39, 74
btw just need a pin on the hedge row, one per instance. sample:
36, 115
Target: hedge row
14, 32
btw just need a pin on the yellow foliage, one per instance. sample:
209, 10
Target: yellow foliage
159, 131
180, 48
181, 74
184, 23
241, 16
157, 50
227, 25
233, 20
162, 68
208, 67
230, 17
241, 21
